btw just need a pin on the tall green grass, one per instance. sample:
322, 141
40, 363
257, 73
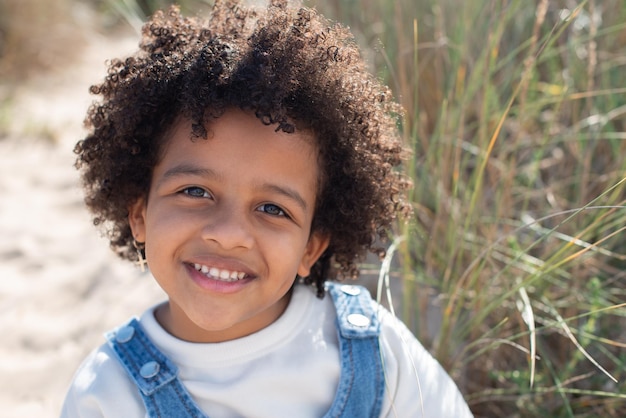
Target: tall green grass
516, 112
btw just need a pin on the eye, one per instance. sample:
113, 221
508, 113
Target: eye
272, 209
195, 191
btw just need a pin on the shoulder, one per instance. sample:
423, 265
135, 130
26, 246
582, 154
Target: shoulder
101, 388
417, 384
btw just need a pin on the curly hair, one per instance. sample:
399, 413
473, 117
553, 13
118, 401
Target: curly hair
290, 66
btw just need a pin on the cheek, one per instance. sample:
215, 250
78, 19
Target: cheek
164, 228
285, 249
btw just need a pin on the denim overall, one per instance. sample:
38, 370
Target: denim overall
361, 385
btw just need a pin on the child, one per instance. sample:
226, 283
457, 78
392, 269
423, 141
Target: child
246, 159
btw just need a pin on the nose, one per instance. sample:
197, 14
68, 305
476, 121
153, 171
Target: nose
230, 228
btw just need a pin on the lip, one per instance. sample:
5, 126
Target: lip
208, 283
222, 263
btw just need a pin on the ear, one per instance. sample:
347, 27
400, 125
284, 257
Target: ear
315, 247
137, 219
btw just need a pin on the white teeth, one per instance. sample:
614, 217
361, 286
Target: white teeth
223, 275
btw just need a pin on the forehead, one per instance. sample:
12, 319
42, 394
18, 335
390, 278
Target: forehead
235, 122
238, 137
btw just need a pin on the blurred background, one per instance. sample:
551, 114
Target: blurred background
512, 269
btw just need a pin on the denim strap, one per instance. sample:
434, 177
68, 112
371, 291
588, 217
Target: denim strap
362, 381
361, 386
155, 375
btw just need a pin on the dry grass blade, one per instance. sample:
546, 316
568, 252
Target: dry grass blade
383, 276
561, 322
526, 309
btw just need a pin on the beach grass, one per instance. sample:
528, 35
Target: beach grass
516, 113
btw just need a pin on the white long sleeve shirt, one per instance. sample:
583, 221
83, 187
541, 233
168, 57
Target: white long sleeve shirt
288, 369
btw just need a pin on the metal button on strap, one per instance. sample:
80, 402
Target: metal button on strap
150, 369
350, 290
124, 334
358, 320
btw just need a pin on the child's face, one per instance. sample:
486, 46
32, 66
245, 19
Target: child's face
227, 225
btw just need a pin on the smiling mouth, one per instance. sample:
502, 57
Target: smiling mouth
220, 274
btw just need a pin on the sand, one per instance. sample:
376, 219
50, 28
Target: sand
61, 287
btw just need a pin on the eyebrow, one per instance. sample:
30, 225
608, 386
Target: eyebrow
288, 193
192, 170
189, 170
